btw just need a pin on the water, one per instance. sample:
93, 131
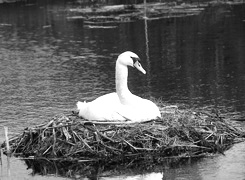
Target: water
48, 62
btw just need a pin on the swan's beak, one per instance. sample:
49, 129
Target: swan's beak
139, 67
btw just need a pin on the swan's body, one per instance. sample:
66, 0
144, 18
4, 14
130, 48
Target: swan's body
121, 105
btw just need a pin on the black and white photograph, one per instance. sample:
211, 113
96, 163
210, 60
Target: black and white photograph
122, 89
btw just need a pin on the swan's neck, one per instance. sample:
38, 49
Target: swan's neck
122, 83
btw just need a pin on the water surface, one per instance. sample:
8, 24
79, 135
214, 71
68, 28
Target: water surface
49, 61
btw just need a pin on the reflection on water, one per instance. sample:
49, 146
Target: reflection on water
201, 59
48, 62
228, 166
219, 167
225, 167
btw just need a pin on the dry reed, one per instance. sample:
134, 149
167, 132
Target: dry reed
181, 133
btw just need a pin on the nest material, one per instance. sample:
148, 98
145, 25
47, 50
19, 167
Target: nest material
181, 133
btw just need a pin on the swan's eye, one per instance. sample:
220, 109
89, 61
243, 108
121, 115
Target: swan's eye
135, 59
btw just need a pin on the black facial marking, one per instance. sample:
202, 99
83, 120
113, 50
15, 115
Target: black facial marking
135, 59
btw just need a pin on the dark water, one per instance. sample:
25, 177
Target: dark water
48, 62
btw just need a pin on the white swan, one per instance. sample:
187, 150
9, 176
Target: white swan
121, 105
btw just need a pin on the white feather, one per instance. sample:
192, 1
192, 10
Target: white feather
121, 105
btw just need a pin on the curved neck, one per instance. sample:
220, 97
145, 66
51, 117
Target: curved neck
122, 82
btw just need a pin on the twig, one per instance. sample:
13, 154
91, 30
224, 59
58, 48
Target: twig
96, 130
189, 145
7, 140
85, 160
47, 150
54, 134
1, 152
136, 148
81, 139
111, 148
153, 137
18, 145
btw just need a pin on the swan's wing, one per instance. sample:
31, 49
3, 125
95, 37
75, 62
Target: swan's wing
103, 108
108, 99
127, 113
139, 110
108, 107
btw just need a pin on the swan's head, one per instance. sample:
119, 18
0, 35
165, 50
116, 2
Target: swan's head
129, 58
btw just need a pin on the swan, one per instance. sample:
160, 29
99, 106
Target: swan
121, 105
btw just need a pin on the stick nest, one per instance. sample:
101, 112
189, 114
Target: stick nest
182, 133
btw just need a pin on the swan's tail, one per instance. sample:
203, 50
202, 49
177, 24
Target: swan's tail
81, 107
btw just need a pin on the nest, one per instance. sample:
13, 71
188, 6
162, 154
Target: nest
180, 133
